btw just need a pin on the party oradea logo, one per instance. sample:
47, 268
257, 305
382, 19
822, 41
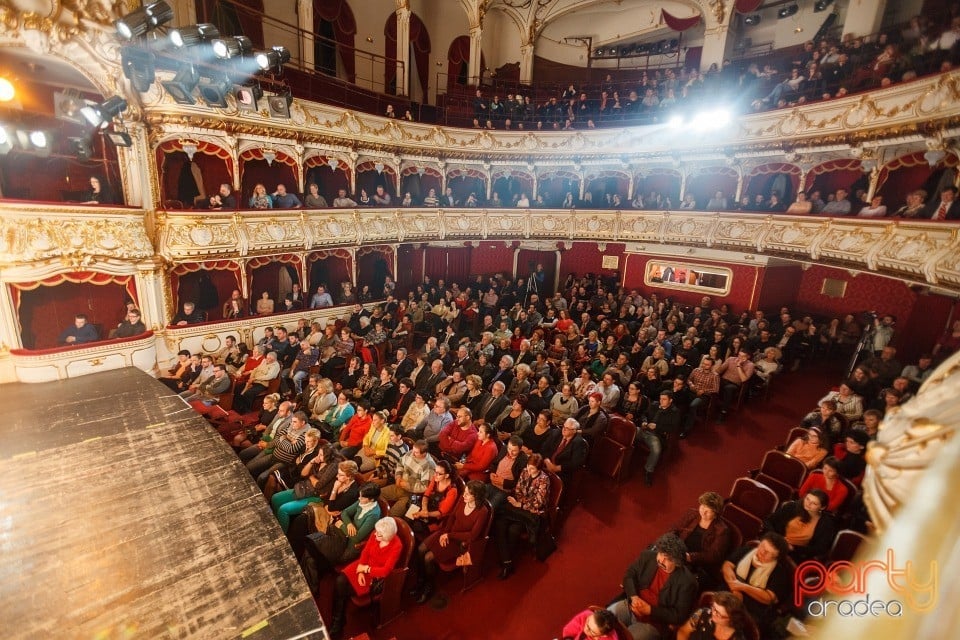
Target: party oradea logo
840, 588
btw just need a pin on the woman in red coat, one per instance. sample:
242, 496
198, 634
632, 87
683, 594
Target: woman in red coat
376, 561
484, 452
452, 540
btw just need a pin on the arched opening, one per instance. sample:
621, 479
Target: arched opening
510, 184
330, 268
374, 264
329, 174
555, 185
705, 185
458, 63
464, 182
418, 69
46, 307
840, 174
418, 181
336, 27
254, 170
188, 180
603, 184
206, 284
911, 172
371, 175
274, 275
660, 188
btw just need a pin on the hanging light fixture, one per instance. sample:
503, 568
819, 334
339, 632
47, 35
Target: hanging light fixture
193, 35
100, 115
139, 22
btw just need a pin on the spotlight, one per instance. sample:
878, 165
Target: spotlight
821, 5
80, 147
273, 59
119, 138
6, 142
675, 122
137, 23
232, 47
7, 92
214, 91
195, 34
598, 53
39, 139
752, 20
247, 97
183, 83
139, 67
279, 105
787, 11
100, 115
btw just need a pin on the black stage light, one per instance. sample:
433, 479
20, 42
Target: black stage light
787, 11
100, 115
183, 83
274, 59
279, 105
139, 66
119, 138
233, 47
138, 22
81, 148
193, 35
213, 91
821, 5
752, 20
247, 96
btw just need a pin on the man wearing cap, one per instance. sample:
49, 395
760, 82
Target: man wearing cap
657, 426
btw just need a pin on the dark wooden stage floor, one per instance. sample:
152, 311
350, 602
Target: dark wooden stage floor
123, 515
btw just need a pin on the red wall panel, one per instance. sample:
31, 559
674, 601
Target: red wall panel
778, 287
585, 258
490, 258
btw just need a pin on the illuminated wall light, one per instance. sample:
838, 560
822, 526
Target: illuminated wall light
39, 139
7, 92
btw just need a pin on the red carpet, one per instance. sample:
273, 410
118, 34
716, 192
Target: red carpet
604, 533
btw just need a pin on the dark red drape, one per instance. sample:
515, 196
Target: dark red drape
339, 14
174, 172
747, 6
458, 265
372, 267
370, 180
267, 278
259, 172
419, 40
679, 24
224, 280
45, 311
704, 186
235, 21
331, 271
328, 179
458, 56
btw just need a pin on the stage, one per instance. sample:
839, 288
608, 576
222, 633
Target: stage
124, 515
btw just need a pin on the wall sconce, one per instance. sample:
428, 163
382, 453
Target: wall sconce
421, 171
868, 165
189, 148
370, 39
269, 155
378, 167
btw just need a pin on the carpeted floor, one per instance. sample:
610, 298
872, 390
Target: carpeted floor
606, 531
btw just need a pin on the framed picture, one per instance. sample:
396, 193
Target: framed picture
670, 274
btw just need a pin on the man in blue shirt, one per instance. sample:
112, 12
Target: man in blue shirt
321, 299
79, 333
284, 200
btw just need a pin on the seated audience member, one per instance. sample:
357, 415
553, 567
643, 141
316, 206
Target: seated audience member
260, 198
321, 298
414, 472
131, 326
874, 210
811, 448
481, 455
315, 483
514, 418
801, 206
379, 557
342, 201
437, 501
189, 314
235, 307
657, 426
375, 443
826, 419
257, 382
381, 198
915, 206
448, 546
287, 475
79, 332
436, 421
313, 199
659, 590
591, 625
284, 200
947, 208
829, 483
458, 437
725, 619
593, 420
287, 444
431, 199
704, 383
707, 538
542, 437
850, 452
355, 430
840, 206
264, 304
524, 511
209, 391
100, 192
805, 525
734, 373
849, 404
761, 577
570, 453
174, 379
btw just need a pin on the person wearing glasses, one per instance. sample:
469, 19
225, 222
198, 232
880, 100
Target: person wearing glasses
659, 590
591, 625
725, 619
131, 326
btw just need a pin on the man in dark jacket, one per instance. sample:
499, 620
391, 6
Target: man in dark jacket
659, 424
659, 589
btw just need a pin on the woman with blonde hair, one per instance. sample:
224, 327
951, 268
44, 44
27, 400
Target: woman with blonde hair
260, 198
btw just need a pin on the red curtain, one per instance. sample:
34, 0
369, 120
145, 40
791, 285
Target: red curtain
329, 268
329, 180
419, 40
339, 14
177, 182
259, 172
48, 307
458, 265
370, 179
747, 6
679, 24
207, 284
458, 59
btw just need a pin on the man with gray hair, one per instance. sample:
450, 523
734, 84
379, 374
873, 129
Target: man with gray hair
494, 405
257, 383
659, 588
